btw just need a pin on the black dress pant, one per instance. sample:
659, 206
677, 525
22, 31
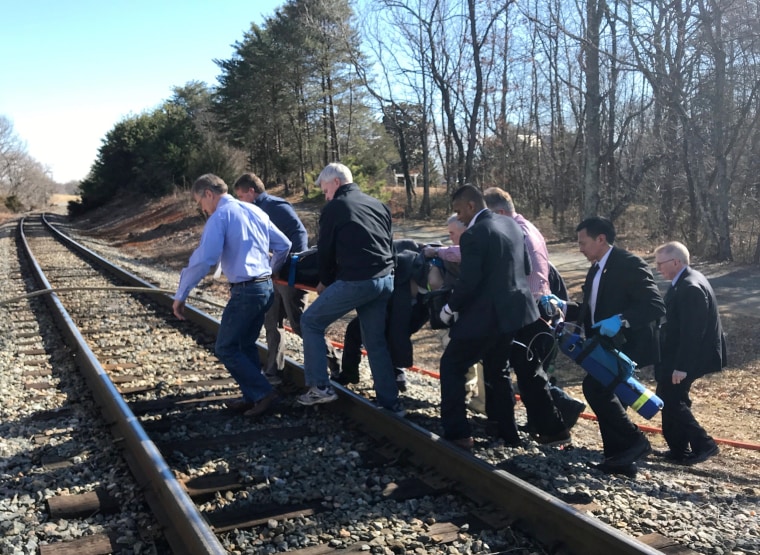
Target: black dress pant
403, 320
532, 346
679, 427
618, 432
460, 354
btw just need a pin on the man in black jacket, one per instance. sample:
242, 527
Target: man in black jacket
355, 272
492, 301
407, 313
533, 343
620, 296
693, 345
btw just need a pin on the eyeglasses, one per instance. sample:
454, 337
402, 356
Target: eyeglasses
658, 264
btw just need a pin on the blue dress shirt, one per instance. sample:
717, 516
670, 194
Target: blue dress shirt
242, 236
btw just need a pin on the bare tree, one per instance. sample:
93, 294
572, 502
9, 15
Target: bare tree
23, 180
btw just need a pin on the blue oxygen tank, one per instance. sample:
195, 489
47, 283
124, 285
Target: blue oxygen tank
608, 366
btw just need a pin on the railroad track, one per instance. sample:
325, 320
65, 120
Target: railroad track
208, 474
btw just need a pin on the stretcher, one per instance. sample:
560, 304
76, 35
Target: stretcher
610, 367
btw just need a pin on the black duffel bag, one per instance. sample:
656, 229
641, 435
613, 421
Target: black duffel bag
301, 268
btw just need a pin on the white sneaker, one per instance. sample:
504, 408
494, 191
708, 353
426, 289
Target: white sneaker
317, 395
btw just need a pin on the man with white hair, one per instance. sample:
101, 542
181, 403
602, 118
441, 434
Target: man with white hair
692, 345
355, 251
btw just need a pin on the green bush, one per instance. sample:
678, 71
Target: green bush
13, 203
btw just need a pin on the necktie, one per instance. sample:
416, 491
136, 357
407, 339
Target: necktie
590, 278
587, 286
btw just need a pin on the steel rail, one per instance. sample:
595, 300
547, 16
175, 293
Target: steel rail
535, 510
187, 530
538, 512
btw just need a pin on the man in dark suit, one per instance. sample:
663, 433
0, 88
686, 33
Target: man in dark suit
619, 296
492, 301
693, 345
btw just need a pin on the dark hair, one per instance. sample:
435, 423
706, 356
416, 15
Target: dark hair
249, 181
469, 193
596, 226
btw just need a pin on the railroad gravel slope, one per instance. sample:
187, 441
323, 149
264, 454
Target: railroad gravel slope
712, 508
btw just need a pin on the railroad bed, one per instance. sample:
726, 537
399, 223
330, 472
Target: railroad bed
342, 476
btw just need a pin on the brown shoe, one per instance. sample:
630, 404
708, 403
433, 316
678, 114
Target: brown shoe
240, 405
264, 404
465, 443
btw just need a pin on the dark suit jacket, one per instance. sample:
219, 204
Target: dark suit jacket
491, 293
692, 338
627, 287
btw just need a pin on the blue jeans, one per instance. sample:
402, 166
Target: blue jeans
238, 332
370, 299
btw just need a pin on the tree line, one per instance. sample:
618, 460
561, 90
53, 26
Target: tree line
636, 110
24, 182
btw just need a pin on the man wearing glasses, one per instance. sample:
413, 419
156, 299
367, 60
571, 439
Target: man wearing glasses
693, 345
241, 236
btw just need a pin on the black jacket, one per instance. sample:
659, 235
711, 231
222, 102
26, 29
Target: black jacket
355, 237
626, 287
492, 294
692, 337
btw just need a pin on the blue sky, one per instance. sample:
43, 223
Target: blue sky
71, 69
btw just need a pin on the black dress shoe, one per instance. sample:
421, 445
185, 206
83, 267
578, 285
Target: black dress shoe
345, 378
635, 452
493, 430
571, 411
401, 380
702, 455
628, 470
550, 440
673, 456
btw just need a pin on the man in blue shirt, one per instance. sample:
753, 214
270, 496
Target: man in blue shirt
242, 236
288, 301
